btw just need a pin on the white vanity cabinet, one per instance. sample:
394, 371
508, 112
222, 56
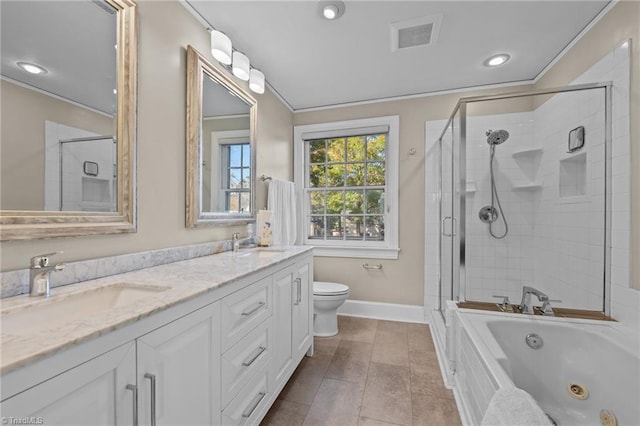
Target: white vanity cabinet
217, 359
179, 371
292, 318
100, 391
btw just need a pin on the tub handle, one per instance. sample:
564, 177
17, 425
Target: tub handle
546, 308
505, 306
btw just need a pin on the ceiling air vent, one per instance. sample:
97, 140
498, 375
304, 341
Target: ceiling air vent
415, 32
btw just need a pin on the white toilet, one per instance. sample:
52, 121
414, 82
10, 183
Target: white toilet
327, 298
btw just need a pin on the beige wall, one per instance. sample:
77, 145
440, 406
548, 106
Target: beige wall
165, 29
24, 112
620, 24
402, 280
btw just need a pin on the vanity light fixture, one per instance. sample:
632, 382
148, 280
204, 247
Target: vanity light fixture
240, 66
496, 60
221, 47
32, 68
256, 81
332, 9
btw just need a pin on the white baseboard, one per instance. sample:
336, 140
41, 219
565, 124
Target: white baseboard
383, 311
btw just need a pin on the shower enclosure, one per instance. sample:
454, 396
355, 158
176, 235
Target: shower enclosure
525, 198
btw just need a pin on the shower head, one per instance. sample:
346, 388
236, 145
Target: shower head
496, 137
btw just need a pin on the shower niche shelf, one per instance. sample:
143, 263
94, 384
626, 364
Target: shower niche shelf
527, 152
573, 176
527, 186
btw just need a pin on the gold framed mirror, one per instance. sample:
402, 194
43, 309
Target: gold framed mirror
221, 126
88, 54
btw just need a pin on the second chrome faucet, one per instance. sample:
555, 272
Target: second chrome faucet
40, 274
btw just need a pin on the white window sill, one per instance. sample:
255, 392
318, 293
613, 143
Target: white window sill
356, 252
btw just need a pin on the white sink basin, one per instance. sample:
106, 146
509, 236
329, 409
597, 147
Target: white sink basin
40, 314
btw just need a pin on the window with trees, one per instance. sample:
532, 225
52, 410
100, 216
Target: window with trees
350, 192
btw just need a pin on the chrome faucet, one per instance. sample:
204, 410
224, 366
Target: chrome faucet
525, 305
40, 273
235, 242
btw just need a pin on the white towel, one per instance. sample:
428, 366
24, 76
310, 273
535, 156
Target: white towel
282, 201
514, 407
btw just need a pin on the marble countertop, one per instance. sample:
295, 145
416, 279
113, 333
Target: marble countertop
173, 283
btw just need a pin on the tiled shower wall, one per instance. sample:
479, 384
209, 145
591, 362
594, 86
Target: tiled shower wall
555, 235
554, 242
499, 266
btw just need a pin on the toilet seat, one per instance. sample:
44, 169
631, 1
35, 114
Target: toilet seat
323, 288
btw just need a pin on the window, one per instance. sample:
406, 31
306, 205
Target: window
236, 179
348, 175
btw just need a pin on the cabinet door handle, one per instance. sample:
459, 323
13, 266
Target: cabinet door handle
252, 310
134, 389
254, 355
152, 377
254, 404
298, 282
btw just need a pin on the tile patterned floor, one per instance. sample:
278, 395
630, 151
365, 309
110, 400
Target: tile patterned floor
373, 373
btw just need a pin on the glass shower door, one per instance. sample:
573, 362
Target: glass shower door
446, 219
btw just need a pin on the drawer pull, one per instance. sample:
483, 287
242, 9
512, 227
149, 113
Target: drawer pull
254, 404
252, 310
254, 356
298, 282
152, 378
134, 389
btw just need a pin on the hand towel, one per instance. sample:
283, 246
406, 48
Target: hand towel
514, 407
282, 201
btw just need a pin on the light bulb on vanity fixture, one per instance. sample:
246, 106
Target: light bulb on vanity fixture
221, 48
256, 81
240, 66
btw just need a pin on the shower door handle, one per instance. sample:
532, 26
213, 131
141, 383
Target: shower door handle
453, 223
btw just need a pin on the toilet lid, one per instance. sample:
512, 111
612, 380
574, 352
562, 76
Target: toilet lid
327, 288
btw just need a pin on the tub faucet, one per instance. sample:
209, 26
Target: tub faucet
525, 305
40, 273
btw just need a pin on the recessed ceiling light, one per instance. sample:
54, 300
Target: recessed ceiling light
32, 68
496, 60
331, 9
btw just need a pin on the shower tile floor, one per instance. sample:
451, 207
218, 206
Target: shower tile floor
372, 373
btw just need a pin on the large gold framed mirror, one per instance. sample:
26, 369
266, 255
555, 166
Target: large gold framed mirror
221, 125
69, 73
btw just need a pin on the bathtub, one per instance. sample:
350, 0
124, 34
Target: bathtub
577, 369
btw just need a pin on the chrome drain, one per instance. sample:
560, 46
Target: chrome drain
534, 341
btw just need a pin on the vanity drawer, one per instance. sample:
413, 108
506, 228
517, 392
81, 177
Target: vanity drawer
244, 359
243, 310
250, 402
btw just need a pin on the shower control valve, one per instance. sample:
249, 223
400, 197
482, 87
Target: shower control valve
546, 308
505, 306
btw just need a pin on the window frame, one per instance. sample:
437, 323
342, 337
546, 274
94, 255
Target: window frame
225, 169
387, 249
220, 139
